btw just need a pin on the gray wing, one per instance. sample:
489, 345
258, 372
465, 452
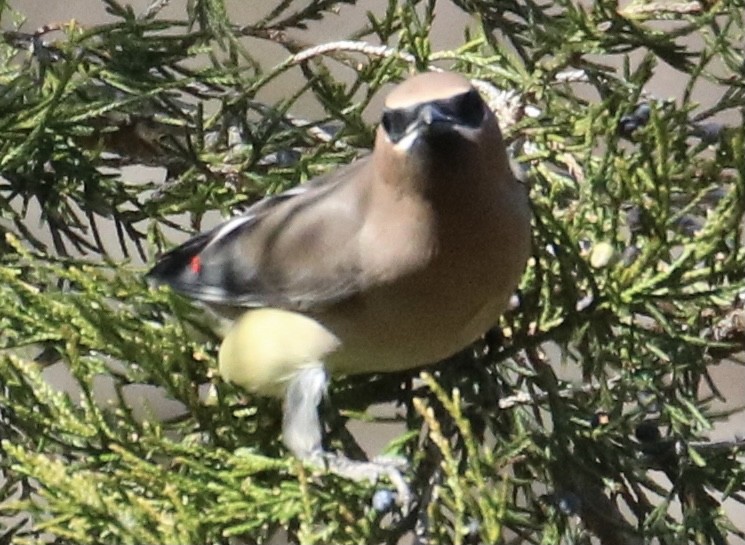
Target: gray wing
298, 250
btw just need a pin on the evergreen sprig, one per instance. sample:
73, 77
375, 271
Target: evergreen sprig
637, 277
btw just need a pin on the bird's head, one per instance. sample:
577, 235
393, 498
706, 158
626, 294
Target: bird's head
436, 126
433, 108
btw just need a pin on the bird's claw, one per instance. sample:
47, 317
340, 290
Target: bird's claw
373, 471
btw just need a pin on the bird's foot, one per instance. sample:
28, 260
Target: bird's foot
373, 471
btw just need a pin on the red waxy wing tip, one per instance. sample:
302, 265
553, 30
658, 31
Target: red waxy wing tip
195, 264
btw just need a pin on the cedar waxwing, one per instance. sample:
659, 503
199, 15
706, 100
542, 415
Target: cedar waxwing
400, 259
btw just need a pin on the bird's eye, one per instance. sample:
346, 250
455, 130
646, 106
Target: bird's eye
395, 123
470, 108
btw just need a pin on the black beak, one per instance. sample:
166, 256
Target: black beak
430, 115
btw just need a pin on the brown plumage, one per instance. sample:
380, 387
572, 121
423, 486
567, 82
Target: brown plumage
397, 260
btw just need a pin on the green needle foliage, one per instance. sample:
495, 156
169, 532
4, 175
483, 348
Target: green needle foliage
637, 277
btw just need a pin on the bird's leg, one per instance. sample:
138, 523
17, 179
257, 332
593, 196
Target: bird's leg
301, 433
301, 426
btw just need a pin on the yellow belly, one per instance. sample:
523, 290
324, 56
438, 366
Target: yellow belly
265, 347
